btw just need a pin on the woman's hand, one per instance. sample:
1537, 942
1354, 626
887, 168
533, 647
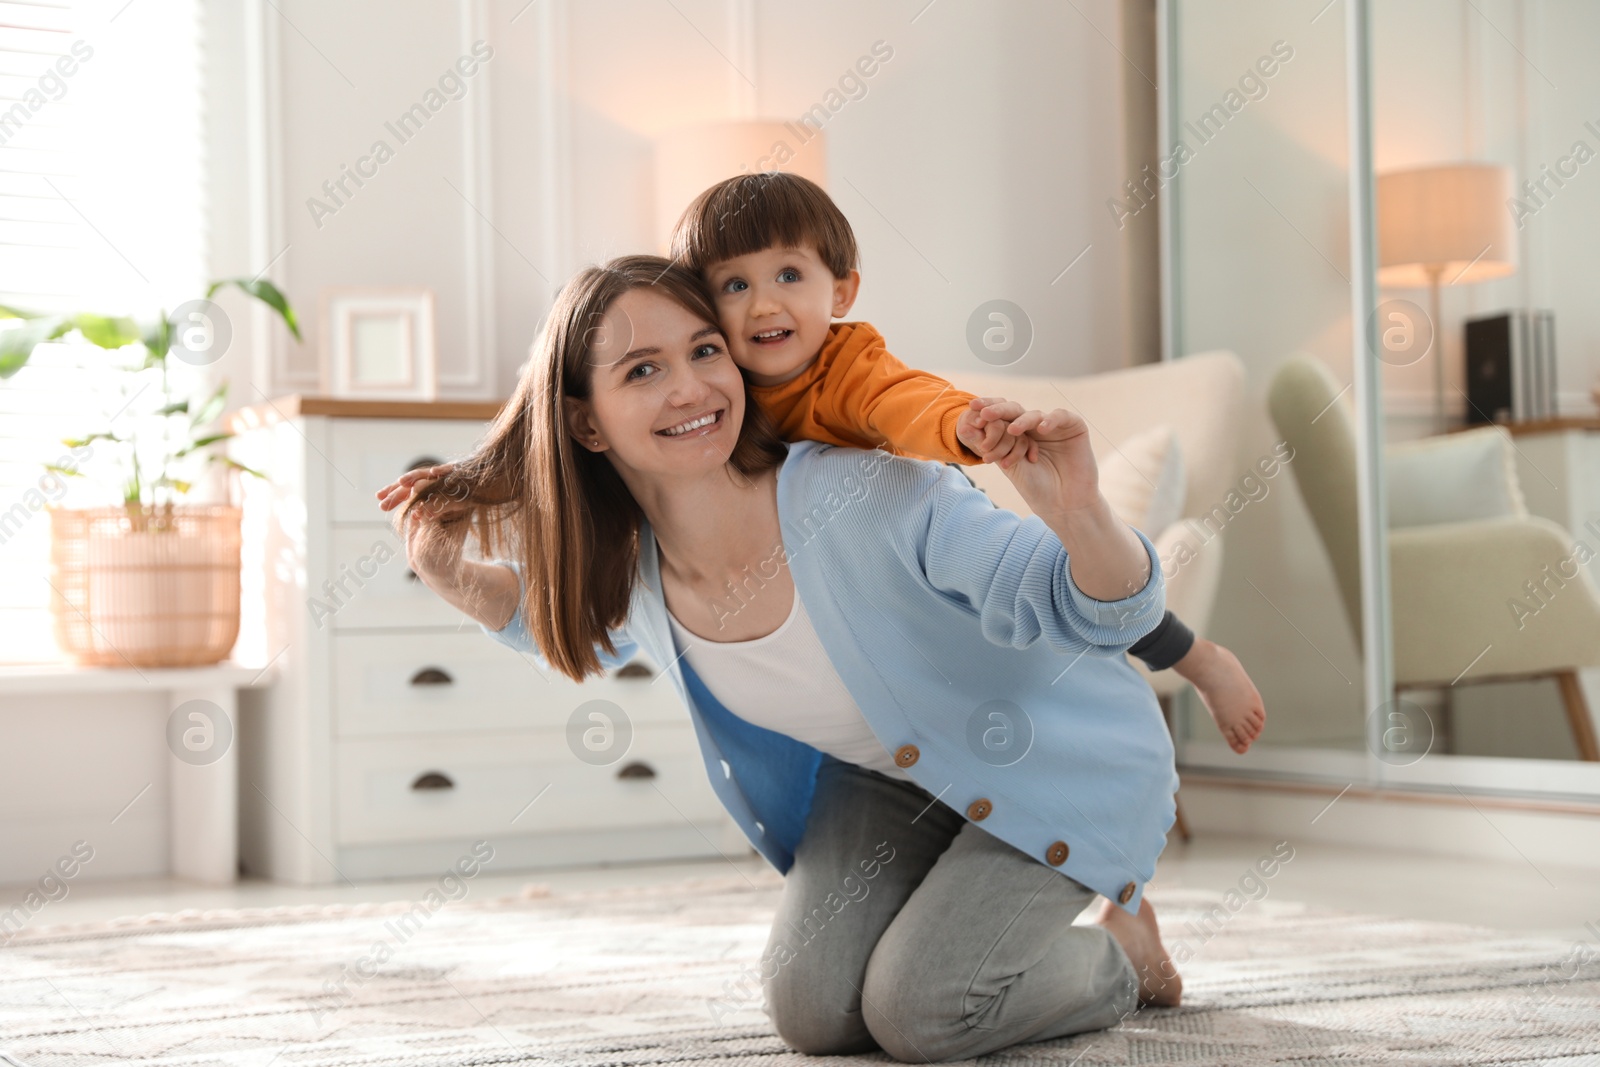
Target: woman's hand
1060, 481
1056, 474
433, 548
405, 487
486, 592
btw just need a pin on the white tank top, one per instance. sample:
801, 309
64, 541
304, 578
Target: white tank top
786, 683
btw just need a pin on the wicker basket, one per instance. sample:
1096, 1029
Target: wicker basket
145, 587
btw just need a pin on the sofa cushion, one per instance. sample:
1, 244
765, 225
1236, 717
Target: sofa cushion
1142, 478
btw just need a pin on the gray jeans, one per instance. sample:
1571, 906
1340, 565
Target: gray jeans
905, 927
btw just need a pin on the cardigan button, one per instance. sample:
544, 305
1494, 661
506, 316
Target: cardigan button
906, 755
979, 809
1056, 855
1126, 894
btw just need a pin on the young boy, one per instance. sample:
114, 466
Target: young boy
780, 261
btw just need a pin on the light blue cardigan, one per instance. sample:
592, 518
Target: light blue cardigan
932, 603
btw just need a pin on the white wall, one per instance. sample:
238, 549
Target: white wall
976, 166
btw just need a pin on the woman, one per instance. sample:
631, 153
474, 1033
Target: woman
903, 694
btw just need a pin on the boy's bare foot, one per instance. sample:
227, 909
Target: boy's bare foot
1160, 985
1226, 690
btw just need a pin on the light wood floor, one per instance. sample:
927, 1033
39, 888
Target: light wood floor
1505, 896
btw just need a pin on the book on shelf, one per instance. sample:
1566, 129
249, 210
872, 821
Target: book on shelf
1511, 367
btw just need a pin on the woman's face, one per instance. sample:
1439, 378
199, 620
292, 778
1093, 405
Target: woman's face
665, 398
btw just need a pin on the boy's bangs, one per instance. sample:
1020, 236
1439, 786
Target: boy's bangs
753, 212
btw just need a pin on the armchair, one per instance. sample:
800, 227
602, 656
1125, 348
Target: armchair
1458, 561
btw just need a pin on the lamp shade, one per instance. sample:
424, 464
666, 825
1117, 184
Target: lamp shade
691, 158
1446, 221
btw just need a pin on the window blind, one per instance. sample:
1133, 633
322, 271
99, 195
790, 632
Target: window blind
102, 209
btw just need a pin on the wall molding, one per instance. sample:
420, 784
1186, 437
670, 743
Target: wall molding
1222, 780
745, 96
555, 142
1554, 832
477, 170
268, 245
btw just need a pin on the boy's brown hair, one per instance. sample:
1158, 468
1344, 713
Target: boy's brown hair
770, 209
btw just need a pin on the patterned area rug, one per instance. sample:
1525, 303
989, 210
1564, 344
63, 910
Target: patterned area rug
662, 975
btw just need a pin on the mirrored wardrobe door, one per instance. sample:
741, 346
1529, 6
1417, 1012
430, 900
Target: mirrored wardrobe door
1486, 132
1255, 170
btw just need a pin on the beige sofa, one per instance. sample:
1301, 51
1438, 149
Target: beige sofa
1201, 397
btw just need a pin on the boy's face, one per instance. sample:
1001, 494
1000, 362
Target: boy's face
775, 307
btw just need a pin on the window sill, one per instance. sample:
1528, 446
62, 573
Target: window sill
71, 678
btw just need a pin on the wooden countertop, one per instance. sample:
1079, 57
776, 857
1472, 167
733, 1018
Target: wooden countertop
1532, 426
287, 407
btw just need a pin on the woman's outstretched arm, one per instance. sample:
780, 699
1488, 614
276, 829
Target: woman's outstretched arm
1016, 576
1107, 560
1060, 481
486, 592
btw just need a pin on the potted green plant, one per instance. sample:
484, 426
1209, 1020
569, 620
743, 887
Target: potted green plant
152, 581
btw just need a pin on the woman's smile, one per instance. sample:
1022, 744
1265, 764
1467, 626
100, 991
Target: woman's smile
698, 426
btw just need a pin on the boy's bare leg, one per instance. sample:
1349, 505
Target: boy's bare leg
1160, 985
1226, 690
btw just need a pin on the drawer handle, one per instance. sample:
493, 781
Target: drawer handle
431, 676
432, 780
630, 671
637, 770
424, 461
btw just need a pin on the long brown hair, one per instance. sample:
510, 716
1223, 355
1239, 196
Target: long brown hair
561, 511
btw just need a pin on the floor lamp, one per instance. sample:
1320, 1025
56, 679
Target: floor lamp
1444, 224
691, 158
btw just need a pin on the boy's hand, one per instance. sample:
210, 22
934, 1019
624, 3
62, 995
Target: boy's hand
988, 440
982, 428
1060, 474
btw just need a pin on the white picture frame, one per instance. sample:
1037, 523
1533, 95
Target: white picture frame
378, 343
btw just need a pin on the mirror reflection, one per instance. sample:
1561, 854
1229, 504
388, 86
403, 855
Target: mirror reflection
1486, 219
1260, 269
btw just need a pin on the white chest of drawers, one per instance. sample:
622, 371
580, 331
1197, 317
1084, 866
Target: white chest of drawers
397, 733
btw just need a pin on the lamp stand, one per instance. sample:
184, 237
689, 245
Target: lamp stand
1434, 324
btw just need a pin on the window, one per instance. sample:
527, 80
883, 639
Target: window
102, 208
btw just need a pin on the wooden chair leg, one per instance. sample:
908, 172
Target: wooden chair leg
1578, 715
1445, 732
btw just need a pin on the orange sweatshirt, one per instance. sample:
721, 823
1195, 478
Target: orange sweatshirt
857, 394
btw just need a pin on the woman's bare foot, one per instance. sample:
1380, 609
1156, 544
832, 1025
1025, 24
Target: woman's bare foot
1160, 985
1226, 690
